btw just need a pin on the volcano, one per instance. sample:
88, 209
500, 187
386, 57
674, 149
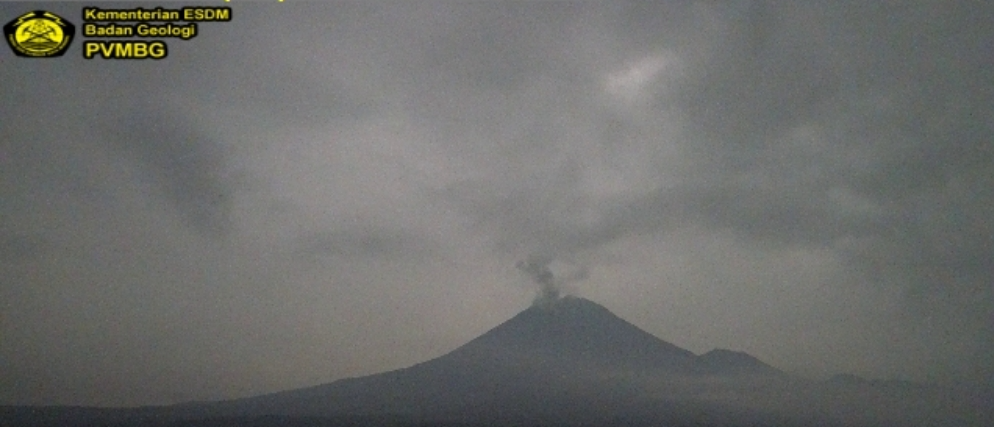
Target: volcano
569, 358
564, 362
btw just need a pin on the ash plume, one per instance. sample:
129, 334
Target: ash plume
537, 267
540, 269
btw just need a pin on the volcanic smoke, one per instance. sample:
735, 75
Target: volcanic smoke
538, 268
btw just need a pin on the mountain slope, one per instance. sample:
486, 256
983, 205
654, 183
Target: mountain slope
569, 363
576, 330
728, 362
570, 357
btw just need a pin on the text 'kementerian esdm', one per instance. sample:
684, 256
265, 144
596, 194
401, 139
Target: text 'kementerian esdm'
145, 24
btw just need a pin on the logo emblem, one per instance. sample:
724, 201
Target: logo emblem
39, 34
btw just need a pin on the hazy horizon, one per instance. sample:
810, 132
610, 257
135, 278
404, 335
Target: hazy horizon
318, 191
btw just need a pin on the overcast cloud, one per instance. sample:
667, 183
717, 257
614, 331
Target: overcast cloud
315, 191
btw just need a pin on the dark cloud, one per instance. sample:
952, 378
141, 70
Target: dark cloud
180, 161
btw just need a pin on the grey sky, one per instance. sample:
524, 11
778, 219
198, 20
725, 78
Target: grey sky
314, 191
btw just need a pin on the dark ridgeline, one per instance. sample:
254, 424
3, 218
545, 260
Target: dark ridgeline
563, 361
569, 358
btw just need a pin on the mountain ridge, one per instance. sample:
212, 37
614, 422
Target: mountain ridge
551, 358
566, 361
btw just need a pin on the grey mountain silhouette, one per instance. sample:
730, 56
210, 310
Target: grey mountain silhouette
571, 356
577, 331
566, 362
